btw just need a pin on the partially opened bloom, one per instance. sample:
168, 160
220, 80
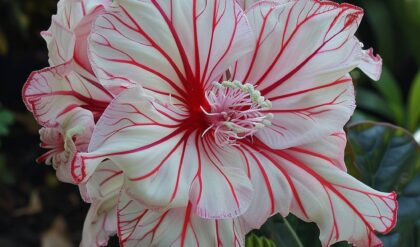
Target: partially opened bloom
231, 116
69, 83
66, 100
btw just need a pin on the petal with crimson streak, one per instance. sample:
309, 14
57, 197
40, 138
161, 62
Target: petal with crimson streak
302, 56
55, 91
245, 4
273, 183
63, 37
343, 208
70, 136
102, 190
166, 160
100, 223
138, 226
174, 47
60, 43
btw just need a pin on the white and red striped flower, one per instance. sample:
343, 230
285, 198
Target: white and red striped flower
219, 118
231, 114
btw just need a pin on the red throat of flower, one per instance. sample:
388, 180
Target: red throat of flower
238, 111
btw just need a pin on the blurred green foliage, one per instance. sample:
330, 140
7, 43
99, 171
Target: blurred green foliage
6, 119
20, 23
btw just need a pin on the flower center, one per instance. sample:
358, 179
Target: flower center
237, 111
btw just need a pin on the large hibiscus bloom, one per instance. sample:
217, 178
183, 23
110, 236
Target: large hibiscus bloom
231, 113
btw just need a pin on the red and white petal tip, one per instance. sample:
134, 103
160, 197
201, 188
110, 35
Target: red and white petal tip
54, 92
343, 208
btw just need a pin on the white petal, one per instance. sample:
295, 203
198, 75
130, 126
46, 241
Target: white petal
60, 43
304, 51
67, 35
174, 47
102, 190
139, 226
53, 92
245, 4
71, 135
100, 222
342, 207
305, 116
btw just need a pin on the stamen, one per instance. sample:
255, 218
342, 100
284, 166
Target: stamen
237, 111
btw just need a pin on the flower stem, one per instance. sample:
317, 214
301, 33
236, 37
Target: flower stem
293, 232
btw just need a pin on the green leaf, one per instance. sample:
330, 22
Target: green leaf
387, 158
255, 241
293, 232
414, 104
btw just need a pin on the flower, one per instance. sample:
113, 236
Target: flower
231, 116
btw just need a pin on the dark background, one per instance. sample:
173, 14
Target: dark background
35, 207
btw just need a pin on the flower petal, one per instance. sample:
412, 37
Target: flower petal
273, 193
139, 226
342, 207
102, 190
371, 64
55, 91
169, 47
66, 36
71, 12
306, 115
245, 4
166, 162
100, 223
220, 188
72, 135
107, 179
303, 54
273, 183
60, 43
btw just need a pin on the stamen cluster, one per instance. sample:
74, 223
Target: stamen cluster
237, 111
